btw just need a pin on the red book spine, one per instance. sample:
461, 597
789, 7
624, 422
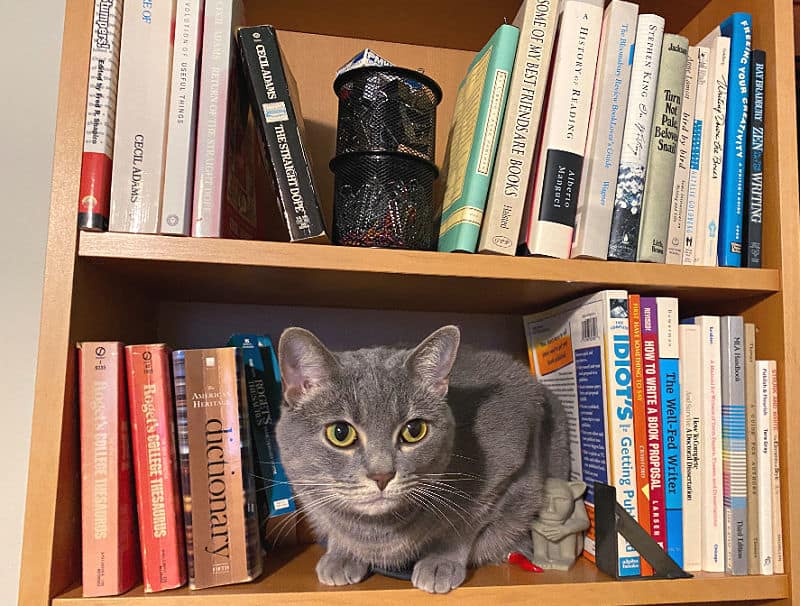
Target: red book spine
652, 400
155, 463
109, 548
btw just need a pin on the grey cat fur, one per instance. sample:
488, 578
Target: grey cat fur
465, 495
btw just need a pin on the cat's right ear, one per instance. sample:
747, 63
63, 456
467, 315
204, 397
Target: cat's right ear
432, 360
306, 365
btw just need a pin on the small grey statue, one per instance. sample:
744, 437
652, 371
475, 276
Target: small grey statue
558, 530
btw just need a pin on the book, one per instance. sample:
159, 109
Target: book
624, 234
176, 211
661, 158
774, 419
751, 427
474, 135
537, 22
94, 197
755, 167
275, 104
110, 552
713, 151
215, 451
553, 197
580, 350
158, 496
734, 449
712, 536
683, 163
692, 440
766, 561
137, 181
696, 163
604, 139
738, 27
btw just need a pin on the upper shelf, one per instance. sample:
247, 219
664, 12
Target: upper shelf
240, 271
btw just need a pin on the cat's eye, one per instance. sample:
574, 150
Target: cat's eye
414, 431
341, 434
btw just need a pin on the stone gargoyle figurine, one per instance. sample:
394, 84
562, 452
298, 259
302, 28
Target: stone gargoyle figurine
558, 530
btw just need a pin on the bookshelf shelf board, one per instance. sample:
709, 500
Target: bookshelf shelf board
279, 273
290, 579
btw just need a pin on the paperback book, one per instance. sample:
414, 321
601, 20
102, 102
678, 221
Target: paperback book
751, 393
775, 453
766, 560
755, 169
692, 440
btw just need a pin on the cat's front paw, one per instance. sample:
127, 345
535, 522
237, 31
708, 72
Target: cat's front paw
337, 569
438, 575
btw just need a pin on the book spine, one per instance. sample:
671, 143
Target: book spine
624, 236
696, 163
94, 196
278, 120
557, 181
683, 161
734, 451
657, 197
766, 560
537, 22
777, 523
691, 437
751, 411
158, 497
141, 121
109, 547
176, 212
755, 185
604, 139
737, 27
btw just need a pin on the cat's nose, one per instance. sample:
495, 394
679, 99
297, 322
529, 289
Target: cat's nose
381, 479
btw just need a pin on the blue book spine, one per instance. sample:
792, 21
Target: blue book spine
671, 436
737, 27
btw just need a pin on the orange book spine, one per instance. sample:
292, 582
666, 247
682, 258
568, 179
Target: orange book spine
639, 420
158, 496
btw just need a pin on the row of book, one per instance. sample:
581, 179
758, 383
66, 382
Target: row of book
206, 517
617, 141
679, 416
180, 100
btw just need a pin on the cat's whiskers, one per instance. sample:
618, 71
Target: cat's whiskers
427, 503
444, 501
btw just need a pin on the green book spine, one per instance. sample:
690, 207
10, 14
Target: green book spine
477, 120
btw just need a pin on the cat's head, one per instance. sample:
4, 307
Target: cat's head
360, 430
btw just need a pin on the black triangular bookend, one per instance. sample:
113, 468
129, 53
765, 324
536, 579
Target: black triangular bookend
611, 519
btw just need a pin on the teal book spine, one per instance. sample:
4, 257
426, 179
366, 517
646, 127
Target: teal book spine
475, 131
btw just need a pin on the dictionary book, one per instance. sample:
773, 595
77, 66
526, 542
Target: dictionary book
158, 494
215, 451
755, 170
109, 546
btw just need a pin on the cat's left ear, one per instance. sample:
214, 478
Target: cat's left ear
432, 361
577, 489
306, 365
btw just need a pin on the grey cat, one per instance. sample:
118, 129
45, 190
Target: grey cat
433, 457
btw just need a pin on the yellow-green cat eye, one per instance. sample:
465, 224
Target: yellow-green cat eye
414, 431
341, 434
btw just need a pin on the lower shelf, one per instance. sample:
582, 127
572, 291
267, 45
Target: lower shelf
290, 579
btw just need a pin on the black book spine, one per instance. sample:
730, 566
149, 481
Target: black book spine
278, 127
755, 168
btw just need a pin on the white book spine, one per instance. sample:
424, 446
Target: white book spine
140, 138
176, 213
560, 163
699, 134
680, 186
764, 465
604, 140
691, 435
751, 427
713, 152
537, 20
777, 522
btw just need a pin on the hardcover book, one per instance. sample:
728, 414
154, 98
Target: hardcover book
137, 182
275, 103
219, 501
766, 560
536, 20
604, 140
550, 214
657, 197
94, 197
624, 236
110, 552
755, 167
777, 523
692, 440
751, 400
475, 131
158, 496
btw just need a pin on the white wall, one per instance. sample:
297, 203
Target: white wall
30, 50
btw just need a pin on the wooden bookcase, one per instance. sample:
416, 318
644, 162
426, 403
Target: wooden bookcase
148, 288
